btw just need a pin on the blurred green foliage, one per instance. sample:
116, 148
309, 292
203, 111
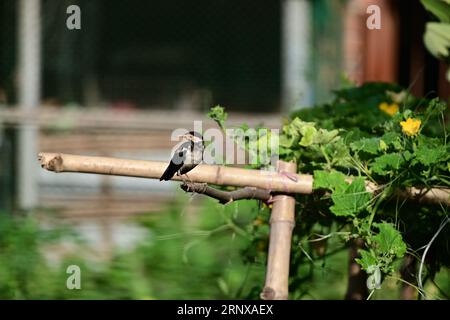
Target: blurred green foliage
216, 252
183, 255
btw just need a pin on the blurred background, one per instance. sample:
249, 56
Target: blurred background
135, 71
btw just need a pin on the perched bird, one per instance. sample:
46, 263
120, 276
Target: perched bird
186, 157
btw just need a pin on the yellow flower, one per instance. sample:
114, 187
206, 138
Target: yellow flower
267, 205
389, 109
411, 126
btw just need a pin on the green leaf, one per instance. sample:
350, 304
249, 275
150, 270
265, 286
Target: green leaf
389, 240
219, 115
288, 141
367, 261
324, 136
291, 134
428, 156
383, 146
308, 132
437, 39
384, 164
348, 199
334, 181
390, 137
367, 145
439, 8
297, 124
435, 107
352, 200
339, 152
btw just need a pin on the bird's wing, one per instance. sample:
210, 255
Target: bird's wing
179, 155
176, 162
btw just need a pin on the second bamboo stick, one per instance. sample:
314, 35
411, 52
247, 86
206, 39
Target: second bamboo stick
282, 222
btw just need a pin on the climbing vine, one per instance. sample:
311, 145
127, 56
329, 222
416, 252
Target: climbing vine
377, 134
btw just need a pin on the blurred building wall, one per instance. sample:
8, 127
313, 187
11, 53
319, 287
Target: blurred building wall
394, 53
371, 54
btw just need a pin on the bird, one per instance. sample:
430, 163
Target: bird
186, 157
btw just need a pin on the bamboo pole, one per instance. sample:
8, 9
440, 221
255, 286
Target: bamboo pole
282, 222
219, 175
212, 174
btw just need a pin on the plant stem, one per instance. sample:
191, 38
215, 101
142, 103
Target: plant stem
324, 153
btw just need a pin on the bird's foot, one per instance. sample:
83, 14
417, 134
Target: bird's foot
188, 178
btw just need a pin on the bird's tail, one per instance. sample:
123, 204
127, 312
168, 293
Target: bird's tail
170, 171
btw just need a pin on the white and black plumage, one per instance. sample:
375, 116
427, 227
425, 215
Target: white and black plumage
186, 157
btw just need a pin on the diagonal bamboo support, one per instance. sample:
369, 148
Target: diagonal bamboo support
218, 175
282, 223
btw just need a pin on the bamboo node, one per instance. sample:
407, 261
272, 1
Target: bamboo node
55, 163
268, 294
288, 221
